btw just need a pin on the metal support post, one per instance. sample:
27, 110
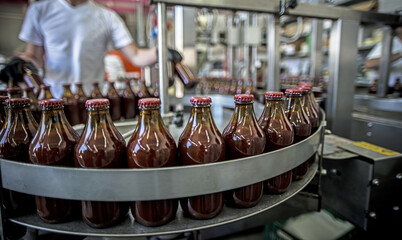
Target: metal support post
385, 61
162, 58
230, 48
342, 74
140, 26
254, 53
316, 49
246, 51
273, 42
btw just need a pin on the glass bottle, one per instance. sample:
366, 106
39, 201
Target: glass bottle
309, 108
15, 137
14, 92
301, 125
200, 143
96, 92
29, 93
53, 145
115, 102
152, 146
81, 98
244, 137
128, 101
100, 134
70, 105
311, 96
279, 133
3, 114
45, 92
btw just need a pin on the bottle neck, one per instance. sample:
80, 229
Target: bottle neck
293, 104
22, 114
243, 111
150, 118
201, 114
54, 117
67, 92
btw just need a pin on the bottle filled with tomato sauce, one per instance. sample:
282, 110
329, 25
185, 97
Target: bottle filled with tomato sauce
200, 143
53, 145
244, 137
100, 146
279, 133
15, 137
301, 125
152, 146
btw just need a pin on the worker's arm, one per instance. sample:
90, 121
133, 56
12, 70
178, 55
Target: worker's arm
139, 57
375, 62
34, 54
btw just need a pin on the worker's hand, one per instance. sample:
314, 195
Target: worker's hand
174, 55
15, 70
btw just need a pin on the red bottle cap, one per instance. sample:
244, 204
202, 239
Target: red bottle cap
44, 86
50, 103
274, 95
18, 102
200, 100
293, 92
15, 89
3, 99
149, 102
244, 97
97, 102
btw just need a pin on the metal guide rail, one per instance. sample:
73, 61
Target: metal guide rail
129, 228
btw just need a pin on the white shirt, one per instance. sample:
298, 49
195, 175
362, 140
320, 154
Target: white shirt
396, 66
75, 40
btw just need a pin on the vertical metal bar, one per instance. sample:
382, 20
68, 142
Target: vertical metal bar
316, 49
273, 41
385, 61
162, 58
230, 48
254, 52
178, 43
246, 50
342, 74
140, 26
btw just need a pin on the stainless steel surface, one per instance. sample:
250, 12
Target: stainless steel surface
273, 45
303, 9
140, 31
367, 153
371, 102
151, 184
385, 61
230, 47
254, 49
162, 58
342, 72
246, 49
316, 49
346, 188
180, 224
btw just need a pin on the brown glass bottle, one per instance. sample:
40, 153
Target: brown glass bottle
152, 146
115, 102
311, 96
200, 143
14, 92
128, 102
309, 109
244, 137
279, 133
100, 134
15, 137
45, 92
70, 105
53, 145
3, 113
96, 92
81, 98
301, 125
29, 93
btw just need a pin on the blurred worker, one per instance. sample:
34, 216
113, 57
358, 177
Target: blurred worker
373, 58
70, 38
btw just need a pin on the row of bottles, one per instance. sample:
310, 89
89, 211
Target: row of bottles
229, 86
54, 142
